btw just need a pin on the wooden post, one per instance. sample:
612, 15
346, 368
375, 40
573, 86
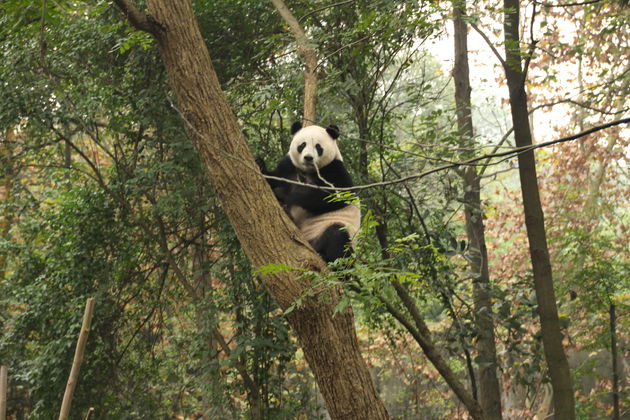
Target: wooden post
3, 392
88, 416
78, 358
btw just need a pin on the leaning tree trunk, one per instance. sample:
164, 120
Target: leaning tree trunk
489, 389
266, 234
564, 403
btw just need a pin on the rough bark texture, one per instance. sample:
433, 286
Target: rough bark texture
263, 229
489, 389
564, 403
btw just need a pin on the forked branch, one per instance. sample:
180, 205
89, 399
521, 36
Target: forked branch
138, 19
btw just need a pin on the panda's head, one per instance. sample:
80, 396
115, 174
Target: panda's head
313, 146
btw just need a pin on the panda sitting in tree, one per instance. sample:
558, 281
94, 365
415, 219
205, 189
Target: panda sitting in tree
314, 158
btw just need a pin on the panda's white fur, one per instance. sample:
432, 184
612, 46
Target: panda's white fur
312, 226
311, 136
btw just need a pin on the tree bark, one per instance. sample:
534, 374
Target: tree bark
615, 365
307, 50
489, 389
564, 402
265, 232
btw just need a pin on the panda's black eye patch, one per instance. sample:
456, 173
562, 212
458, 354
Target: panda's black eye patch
320, 149
301, 147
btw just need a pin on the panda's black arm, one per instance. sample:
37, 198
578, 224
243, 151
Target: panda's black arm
284, 169
337, 174
313, 199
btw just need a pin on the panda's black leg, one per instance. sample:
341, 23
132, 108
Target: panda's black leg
333, 243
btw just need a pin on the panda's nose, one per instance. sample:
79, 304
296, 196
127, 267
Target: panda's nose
308, 158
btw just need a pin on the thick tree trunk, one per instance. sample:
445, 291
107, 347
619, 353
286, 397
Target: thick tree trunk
263, 229
489, 389
564, 403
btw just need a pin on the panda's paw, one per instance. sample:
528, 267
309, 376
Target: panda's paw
261, 164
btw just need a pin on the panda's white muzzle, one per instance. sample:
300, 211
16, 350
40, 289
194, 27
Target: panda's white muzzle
308, 163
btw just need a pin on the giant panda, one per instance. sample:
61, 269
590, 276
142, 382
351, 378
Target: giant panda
314, 158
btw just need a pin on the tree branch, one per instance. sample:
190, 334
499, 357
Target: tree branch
330, 6
569, 4
422, 335
469, 162
532, 44
490, 44
138, 19
307, 50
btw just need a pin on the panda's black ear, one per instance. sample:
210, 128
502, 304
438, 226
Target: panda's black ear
297, 126
333, 131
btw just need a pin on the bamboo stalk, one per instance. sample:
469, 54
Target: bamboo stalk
78, 359
4, 373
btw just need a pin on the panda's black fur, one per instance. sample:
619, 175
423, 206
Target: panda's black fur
328, 226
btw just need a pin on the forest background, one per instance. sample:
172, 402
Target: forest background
104, 195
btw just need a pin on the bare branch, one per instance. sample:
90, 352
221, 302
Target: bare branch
422, 334
358, 41
312, 12
490, 44
532, 45
307, 50
515, 151
584, 3
496, 148
470, 162
584, 105
238, 364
